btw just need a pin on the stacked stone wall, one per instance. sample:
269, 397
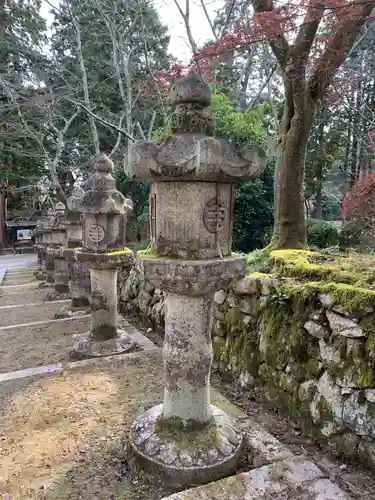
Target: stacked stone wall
307, 348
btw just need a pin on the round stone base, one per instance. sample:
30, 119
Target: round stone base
80, 301
40, 275
53, 295
181, 458
86, 347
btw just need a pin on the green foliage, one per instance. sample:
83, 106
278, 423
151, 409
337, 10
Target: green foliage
254, 199
22, 119
138, 192
351, 235
241, 128
253, 213
331, 209
321, 234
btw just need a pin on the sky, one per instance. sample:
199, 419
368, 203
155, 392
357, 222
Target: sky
170, 16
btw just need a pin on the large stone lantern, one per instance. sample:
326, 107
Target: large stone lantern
104, 224
192, 175
80, 289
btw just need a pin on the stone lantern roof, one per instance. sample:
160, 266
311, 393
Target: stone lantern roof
192, 153
74, 201
101, 195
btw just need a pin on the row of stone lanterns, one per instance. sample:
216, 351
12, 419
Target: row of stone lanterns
81, 249
192, 175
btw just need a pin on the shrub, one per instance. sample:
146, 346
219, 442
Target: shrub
358, 207
321, 234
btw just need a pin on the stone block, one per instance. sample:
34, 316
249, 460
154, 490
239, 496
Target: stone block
249, 285
343, 326
232, 301
324, 489
326, 300
280, 481
219, 297
370, 395
245, 380
264, 447
267, 285
315, 329
326, 407
358, 416
328, 353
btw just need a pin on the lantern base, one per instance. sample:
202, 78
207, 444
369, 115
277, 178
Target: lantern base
184, 458
87, 347
56, 295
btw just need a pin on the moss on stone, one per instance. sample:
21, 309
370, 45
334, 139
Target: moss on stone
281, 325
175, 425
260, 275
243, 348
309, 265
123, 251
192, 435
352, 298
233, 318
144, 254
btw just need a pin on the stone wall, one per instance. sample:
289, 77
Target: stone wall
307, 348
139, 298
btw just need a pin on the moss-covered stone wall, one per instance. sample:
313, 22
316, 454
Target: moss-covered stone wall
307, 347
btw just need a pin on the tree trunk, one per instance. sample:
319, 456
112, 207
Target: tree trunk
2, 71
2, 213
318, 209
289, 228
319, 174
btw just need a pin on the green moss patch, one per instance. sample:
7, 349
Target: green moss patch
124, 251
306, 265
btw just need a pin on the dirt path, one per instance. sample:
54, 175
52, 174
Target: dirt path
30, 313
27, 297
66, 434
37, 345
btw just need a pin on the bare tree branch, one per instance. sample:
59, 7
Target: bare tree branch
306, 35
103, 121
94, 131
209, 20
278, 43
347, 30
186, 18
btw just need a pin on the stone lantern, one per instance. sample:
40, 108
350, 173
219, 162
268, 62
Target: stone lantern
104, 223
47, 242
192, 175
39, 230
61, 268
80, 288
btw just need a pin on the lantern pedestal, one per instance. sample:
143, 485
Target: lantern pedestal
61, 273
80, 290
50, 267
104, 338
187, 441
80, 286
